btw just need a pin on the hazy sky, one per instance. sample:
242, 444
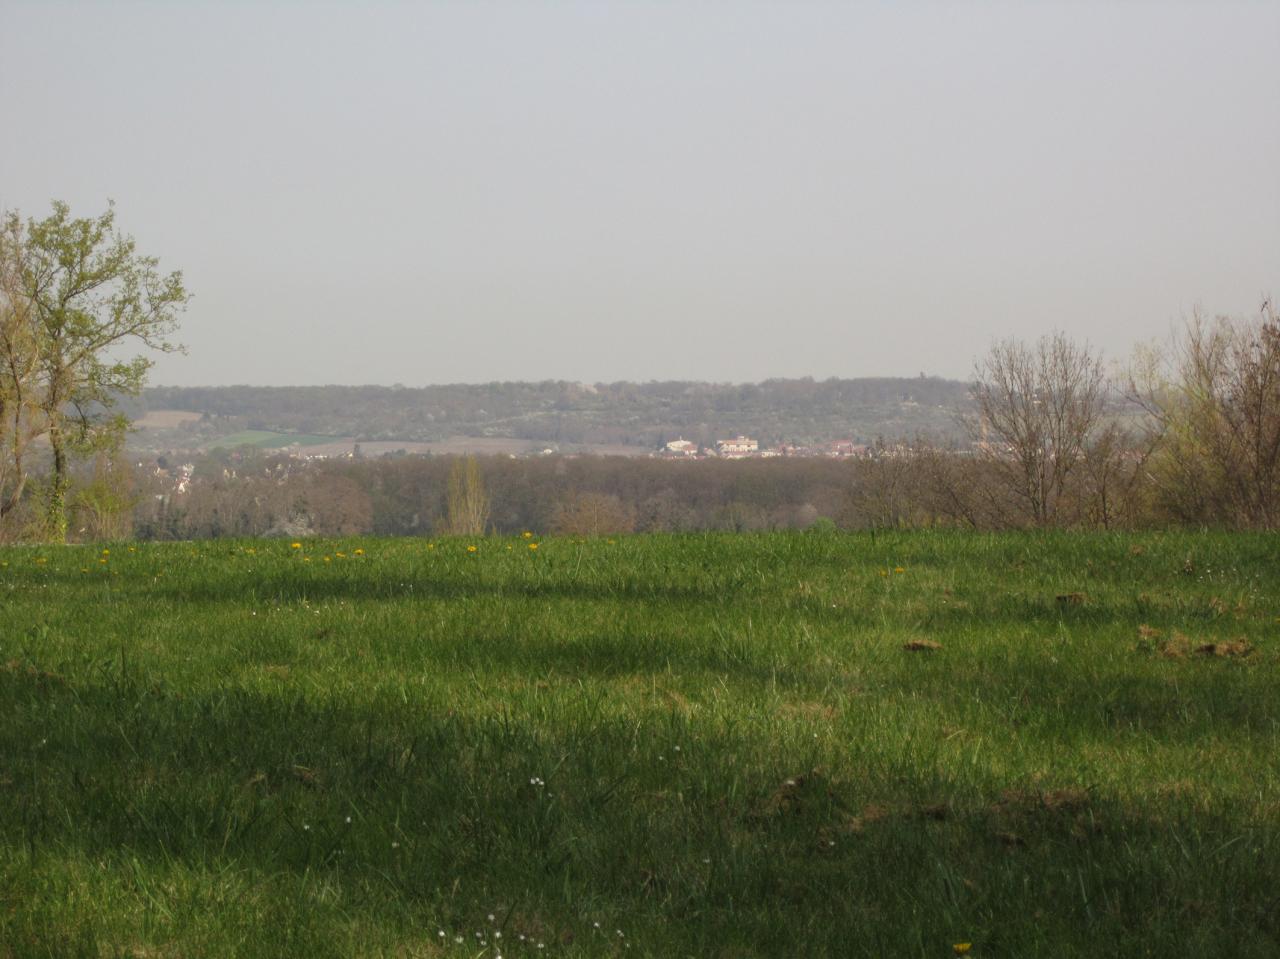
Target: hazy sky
460, 192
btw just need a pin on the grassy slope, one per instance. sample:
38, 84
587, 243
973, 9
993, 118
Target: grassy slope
241, 749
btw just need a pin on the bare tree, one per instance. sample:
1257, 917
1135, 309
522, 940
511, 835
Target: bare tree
955, 487
593, 514
1038, 410
888, 490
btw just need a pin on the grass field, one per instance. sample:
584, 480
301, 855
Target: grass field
269, 440
660, 746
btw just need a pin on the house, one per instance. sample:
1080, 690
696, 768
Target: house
736, 447
842, 448
682, 447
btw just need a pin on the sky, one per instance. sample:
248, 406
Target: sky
425, 193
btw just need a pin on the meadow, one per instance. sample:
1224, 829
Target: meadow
810, 744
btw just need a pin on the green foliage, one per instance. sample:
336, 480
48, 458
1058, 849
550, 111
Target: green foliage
88, 292
715, 744
104, 505
1218, 412
467, 503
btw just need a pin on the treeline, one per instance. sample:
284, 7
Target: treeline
1043, 436
1185, 437
410, 496
638, 414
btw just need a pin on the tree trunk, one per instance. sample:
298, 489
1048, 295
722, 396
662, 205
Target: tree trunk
56, 506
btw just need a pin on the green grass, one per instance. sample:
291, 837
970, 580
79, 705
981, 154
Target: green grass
269, 440
714, 744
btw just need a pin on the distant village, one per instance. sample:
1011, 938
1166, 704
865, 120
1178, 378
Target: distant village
178, 478
744, 447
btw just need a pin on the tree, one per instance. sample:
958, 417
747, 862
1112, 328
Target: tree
593, 514
105, 504
20, 421
88, 293
1217, 413
1039, 410
467, 503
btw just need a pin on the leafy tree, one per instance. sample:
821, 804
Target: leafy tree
1217, 413
468, 503
89, 294
105, 504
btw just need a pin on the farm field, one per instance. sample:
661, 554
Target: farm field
165, 419
269, 440
159, 427
809, 744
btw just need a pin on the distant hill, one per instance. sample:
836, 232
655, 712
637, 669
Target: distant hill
635, 414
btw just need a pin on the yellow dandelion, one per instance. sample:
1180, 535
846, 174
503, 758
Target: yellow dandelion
295, 546
508, 547
527, 535
899, 569
471, 549
106, 552
533, 545
133, 549
102, 561
328, 560
431, 546
306, 559
41, 560
340, 555
358, 551
960, 948
884, 572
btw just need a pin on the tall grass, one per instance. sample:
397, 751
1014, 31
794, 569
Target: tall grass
670, 746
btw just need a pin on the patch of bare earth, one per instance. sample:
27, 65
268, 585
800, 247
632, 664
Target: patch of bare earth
921, 646
1179, 646
1235, 647
1020, 811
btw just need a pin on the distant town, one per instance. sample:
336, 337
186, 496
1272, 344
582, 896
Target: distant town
173, 477
744, 447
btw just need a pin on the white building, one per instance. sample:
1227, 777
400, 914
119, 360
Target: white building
738, 446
